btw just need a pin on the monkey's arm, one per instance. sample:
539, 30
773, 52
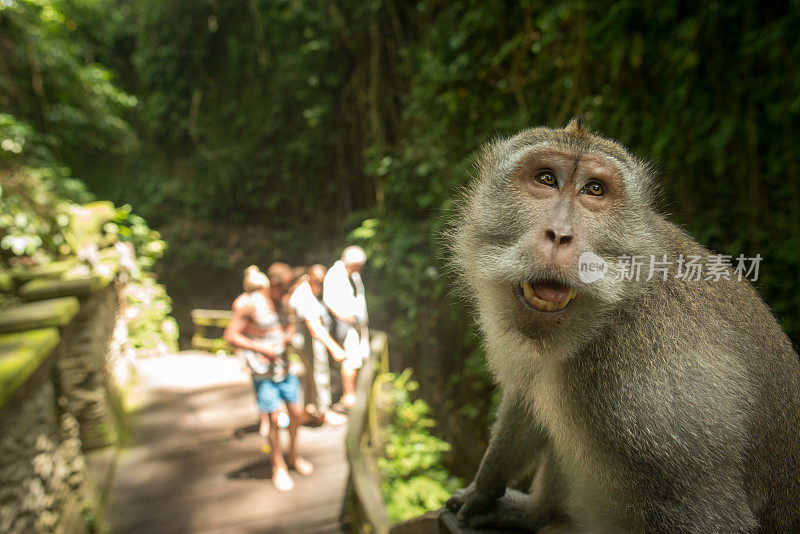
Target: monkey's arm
517, 440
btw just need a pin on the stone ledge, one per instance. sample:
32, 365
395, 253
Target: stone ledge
56, 269
40, 314
42, 289
21, 353
448, 524
69, 277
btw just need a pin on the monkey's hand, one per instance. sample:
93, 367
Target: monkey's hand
513, 510
469, 501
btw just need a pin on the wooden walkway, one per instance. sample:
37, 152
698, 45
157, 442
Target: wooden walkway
194, 462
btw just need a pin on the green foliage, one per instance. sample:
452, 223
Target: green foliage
414, 479
37, 219
238, 96
33, 218
36, 227
58, 107
148, 308
147, 243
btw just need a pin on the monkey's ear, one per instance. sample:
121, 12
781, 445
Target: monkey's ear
575, 127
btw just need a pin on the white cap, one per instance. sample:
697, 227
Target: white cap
354, 254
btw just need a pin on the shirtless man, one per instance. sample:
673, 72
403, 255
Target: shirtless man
256, 329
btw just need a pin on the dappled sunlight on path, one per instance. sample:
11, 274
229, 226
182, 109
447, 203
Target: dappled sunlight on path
194, 464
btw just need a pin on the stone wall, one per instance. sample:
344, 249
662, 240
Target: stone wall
86, 390
57, 400
42, 467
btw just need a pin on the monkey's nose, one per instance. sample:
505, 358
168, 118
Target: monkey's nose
559, 236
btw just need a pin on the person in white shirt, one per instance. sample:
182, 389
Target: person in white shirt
306, 300
343, 293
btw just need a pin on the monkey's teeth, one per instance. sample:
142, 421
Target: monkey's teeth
527, 290
545, 305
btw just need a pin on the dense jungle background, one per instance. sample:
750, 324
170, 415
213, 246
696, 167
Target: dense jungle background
250, 131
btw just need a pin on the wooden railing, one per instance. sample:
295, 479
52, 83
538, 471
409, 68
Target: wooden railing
205, 319
364, 510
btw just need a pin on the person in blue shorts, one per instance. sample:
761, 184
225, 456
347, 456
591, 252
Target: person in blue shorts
258, 333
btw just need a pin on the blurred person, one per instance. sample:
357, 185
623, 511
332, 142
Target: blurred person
281, 277
257, 331
298, 274
306, 300
343, 293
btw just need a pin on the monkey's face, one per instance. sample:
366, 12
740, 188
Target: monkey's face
535, 209
563, 198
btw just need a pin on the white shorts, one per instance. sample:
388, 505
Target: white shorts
356, 349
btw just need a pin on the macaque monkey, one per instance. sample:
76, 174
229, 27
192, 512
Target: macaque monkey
651, 403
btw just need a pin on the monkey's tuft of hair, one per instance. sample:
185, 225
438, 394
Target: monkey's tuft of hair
575, 127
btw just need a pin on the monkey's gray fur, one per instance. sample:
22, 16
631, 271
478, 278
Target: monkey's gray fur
650, 406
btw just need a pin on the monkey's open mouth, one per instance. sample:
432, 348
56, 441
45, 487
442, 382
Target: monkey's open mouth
546, 296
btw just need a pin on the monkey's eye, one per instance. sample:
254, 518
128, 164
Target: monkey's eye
547, 178
594, 188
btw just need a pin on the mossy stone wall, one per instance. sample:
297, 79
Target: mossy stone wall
57, 398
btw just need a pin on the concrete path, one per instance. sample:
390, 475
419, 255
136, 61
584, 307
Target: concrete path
194, 465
